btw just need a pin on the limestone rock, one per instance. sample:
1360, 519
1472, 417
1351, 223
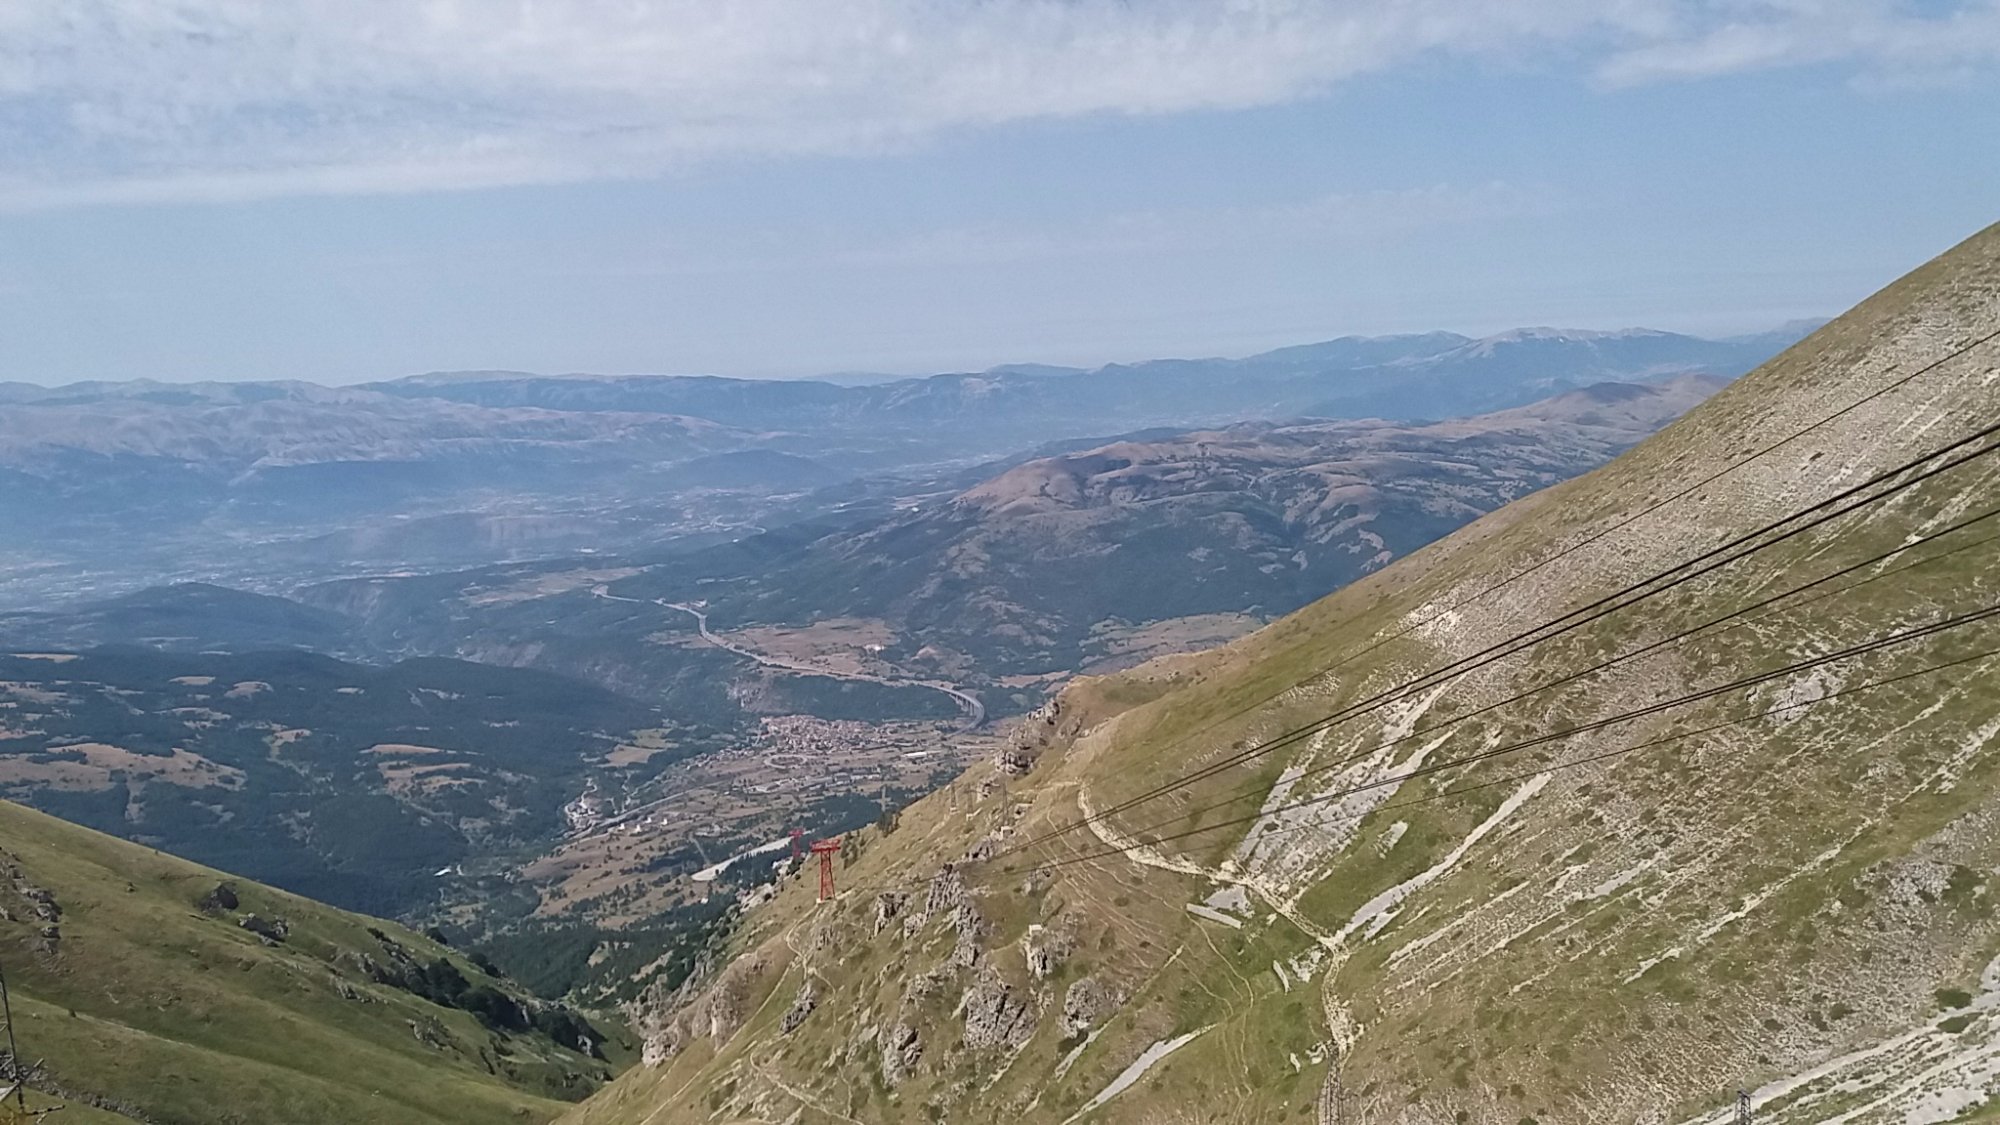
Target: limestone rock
966, 920
1048, 951
1084, 1004
887, 905
994, 1016
901, 1049
926, 984
801, 1007
1031, 738
673, 1021
45, 905
946, 891
431, 1032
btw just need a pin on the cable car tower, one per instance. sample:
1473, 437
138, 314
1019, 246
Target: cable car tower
825, 850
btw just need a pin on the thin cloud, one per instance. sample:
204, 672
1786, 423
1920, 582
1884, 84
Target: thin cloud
121, 101
1889, 43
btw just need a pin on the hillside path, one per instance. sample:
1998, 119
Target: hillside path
1149, 857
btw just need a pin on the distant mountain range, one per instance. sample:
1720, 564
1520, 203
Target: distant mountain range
1092, 556
1053, 562
1426, 376
106, 487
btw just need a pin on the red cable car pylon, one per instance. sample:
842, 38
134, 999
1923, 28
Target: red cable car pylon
825, 849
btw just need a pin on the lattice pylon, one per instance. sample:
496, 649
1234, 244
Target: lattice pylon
825, 850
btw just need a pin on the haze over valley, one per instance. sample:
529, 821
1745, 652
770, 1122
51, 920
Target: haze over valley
892, 562
684, 633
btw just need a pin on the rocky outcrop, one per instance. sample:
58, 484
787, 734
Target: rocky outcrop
221, 900
713, 1013
432, 1033
395, 950
1084, 1004
39, 905
271, 930
994, 1016
1048, 949
1031, 738
970, 927
887, 906
946, 891
927, 984
802, 1006
901, 1051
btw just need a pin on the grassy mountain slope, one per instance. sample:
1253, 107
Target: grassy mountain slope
145, 1007
1786, 888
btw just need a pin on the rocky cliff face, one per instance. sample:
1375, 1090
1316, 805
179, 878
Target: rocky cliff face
1741, 832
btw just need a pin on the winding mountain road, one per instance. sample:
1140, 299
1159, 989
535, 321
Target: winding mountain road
975, 711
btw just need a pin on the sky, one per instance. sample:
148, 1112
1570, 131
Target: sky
363, 189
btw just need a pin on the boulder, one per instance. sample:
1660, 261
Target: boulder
272, 930
221, 900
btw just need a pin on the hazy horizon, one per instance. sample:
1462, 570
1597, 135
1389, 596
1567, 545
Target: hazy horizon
1754, 327
357, 192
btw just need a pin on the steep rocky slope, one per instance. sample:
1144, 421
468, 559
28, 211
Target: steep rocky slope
1538, 891
155, 990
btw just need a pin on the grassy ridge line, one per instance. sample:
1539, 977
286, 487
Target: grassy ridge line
186, 1017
